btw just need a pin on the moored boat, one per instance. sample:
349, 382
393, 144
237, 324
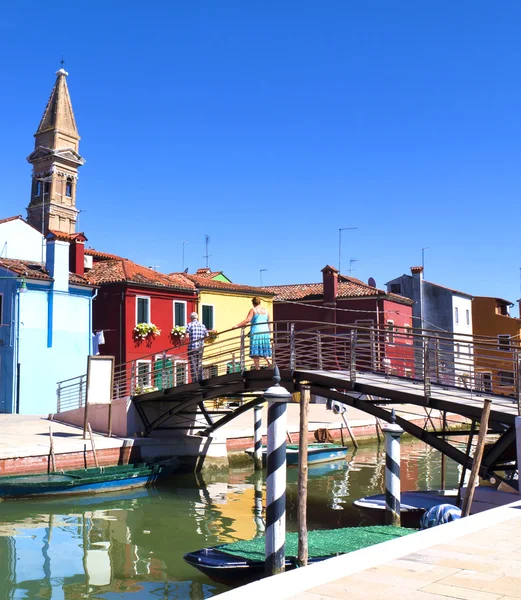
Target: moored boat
414, 501
317, 453
82, 481
243, 561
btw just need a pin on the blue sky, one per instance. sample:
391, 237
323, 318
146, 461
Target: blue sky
270, 125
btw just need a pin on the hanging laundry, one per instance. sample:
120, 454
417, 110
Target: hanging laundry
97, 339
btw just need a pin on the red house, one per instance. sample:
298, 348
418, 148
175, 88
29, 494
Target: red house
136, 309
384, 320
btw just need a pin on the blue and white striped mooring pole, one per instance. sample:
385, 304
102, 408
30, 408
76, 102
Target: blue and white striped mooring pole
275, 539
393, 433
257, 437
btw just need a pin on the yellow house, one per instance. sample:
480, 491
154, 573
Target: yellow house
221, 305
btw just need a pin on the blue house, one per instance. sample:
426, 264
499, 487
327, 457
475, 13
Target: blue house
45, 324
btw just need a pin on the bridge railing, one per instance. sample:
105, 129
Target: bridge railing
450, 360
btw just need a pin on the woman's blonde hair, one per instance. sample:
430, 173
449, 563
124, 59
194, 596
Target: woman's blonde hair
255, 301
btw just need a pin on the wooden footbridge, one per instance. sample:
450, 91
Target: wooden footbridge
371, 369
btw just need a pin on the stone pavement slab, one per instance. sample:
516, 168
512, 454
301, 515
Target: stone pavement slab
28, 435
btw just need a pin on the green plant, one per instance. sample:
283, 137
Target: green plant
212, 335
178, 331
144, 330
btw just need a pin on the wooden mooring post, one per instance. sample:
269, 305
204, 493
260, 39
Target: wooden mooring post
476, 462
302, 527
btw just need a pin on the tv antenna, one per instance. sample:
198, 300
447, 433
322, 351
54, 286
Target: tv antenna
206, 242
340, 245
352, 261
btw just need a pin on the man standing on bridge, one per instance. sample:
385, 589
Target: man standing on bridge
196, 333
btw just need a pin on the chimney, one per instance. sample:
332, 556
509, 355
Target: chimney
417, 272
330, 284
77, 254
57, 260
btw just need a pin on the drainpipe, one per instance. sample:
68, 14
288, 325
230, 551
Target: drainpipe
17, 352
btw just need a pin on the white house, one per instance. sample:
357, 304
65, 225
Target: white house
20, 240
444, 313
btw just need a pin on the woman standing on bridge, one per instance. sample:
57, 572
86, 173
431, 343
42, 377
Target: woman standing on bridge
260, 345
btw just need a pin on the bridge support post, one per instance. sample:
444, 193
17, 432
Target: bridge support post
292, 352
352, 355
393, 433
518, 446
257, 437
426, 370
275, 538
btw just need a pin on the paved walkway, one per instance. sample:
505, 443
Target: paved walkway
28, 435
477, 558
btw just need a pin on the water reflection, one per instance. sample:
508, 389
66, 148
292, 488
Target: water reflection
131, 545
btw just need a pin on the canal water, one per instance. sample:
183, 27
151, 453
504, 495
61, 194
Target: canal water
131, 546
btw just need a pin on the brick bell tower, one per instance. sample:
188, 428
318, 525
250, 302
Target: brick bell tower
55, 163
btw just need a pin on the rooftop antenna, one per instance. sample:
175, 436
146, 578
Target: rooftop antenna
206, 241
423, 257
340, 245
184, 242
351, 262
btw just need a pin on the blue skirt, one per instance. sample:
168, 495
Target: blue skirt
260, 344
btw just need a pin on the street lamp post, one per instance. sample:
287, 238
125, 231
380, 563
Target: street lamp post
340, 244
184, 242
261, 271
23, 285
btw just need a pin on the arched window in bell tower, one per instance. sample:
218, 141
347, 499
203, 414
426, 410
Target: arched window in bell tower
68, 188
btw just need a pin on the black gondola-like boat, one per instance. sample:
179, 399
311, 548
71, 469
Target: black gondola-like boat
242, 562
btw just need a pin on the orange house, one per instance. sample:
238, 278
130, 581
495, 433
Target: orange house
497, 345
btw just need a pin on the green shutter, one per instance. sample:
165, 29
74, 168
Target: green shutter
208, 316
180, 314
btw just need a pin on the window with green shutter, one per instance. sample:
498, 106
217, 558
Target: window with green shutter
207, 316
180, 314
142, 310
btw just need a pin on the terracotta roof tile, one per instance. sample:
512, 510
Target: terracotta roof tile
32, 270
124, 270
102, 255
12, 219
348, 287
203, 282
66, 237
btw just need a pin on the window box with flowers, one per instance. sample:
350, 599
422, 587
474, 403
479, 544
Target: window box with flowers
212, 335
143, 331
177, 333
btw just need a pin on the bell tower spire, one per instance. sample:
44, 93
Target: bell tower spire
55, 161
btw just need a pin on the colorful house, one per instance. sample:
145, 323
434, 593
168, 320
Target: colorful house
341, 300
45, 325
136, 309
222, 304
497, 338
